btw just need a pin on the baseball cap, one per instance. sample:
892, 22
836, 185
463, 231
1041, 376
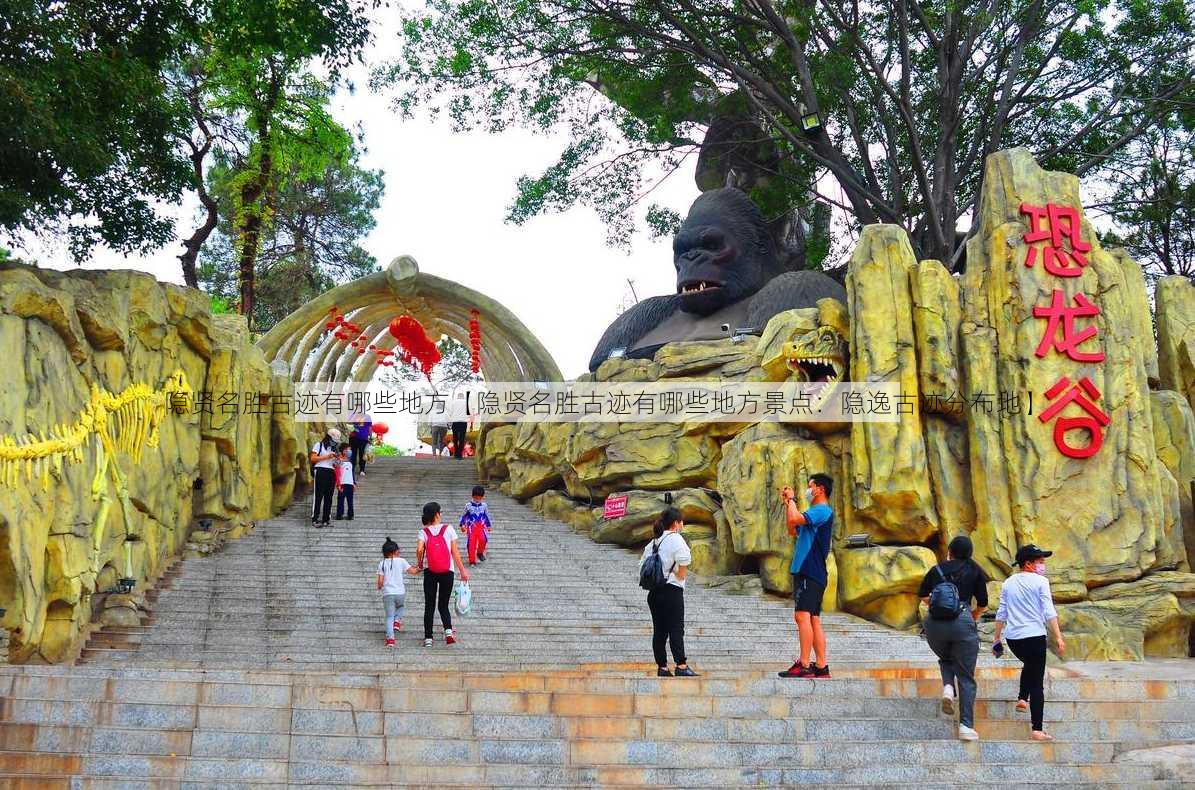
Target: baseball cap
335, 434
1031, 552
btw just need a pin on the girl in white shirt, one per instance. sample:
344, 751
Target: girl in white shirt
1026, 608
667, 603
394, 591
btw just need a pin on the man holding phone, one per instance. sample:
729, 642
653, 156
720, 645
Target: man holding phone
812, 529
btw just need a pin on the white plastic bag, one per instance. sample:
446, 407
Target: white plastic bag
464, 598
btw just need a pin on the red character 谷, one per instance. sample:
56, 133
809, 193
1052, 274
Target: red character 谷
1083, 395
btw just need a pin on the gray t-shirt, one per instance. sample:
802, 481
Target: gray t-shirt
674, 552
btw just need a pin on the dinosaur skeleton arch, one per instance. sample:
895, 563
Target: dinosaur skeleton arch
310, 353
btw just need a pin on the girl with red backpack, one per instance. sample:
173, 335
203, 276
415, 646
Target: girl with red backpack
436, 552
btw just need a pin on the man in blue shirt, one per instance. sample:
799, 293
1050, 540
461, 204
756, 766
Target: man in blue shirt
813, 530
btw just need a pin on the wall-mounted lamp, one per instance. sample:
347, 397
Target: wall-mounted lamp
617, 353
125, 586
741, 333
860, 540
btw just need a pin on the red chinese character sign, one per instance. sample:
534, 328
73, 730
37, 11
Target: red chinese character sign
1052, 223
1064, 254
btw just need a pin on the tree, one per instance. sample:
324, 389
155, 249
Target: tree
896, 103
310, 238
89, 128
1155, 204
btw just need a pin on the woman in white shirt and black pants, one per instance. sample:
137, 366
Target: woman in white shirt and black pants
667, 603
1026, 608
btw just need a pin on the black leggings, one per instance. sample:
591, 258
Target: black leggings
458, 438
1032, 651
437, 589
358, 448
667, 606
325, 485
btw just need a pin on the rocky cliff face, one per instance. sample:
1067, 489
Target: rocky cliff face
73, 523
971, 454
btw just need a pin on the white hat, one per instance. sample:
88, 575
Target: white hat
334, 433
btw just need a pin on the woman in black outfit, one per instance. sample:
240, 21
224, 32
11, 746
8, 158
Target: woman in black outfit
956, 641
667, 603
323, 456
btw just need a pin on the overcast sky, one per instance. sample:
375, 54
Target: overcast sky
445, 199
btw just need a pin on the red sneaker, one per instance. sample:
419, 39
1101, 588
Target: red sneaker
794, 671
389, 643
449, 639
398, 625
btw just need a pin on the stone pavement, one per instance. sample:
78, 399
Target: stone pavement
262, 665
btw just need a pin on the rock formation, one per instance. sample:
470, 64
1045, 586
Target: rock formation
71, 525
974, 358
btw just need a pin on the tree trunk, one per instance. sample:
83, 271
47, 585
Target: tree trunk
191, 246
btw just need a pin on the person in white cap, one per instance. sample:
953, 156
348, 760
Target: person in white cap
323, 458
1026, 610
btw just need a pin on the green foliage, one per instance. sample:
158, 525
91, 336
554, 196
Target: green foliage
311, 240
1155, 206
220, 305
88, 142
387, 451
912, 95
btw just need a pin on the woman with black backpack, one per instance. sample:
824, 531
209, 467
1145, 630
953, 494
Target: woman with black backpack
666, 593
952, 629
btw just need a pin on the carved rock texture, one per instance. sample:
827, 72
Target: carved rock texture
64, 332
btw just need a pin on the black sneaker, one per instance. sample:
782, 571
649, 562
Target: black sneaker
821, 672
685, 672
662, 672
795, 671
481, 556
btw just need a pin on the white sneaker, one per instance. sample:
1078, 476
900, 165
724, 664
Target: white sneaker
948, 699
967, 734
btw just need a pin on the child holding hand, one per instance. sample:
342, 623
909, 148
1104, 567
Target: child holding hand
394, 591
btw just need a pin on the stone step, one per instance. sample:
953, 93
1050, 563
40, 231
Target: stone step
193, 772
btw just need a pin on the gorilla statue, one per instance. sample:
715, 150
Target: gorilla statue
728, 277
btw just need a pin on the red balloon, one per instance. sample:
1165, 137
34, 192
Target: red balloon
380, 428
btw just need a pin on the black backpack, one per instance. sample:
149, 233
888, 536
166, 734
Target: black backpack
651, 573
944, 603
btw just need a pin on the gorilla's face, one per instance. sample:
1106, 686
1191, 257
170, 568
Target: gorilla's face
716, 256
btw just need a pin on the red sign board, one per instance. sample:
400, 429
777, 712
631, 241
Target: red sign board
616, 507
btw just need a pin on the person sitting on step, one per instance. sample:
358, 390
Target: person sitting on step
476, 523
392, 586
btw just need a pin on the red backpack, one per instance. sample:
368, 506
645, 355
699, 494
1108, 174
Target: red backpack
435, 547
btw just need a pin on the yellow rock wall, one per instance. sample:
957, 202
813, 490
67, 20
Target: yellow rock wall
64, 333
970, 456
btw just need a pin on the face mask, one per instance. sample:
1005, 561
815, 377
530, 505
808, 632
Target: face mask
1040, 567
809, 493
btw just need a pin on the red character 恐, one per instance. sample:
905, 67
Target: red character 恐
1083, 395
1063, 317
1059, 222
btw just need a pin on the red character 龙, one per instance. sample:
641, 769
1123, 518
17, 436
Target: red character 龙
1061, 316
1060, 222
1083, 395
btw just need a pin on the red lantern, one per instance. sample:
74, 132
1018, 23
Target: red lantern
380, 428
475, 339
416, 347
361, 351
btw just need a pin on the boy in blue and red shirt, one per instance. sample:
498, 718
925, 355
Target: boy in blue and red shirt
476, 523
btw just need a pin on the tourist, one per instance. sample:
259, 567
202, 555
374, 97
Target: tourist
476, 523
459, 428
393, 587
468, 450
812, 529
439, 431
436, 552
344, 482
323, 457
954, 635
1026, 608
667, 602
358, 441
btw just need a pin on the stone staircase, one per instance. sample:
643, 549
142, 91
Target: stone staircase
262, 665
